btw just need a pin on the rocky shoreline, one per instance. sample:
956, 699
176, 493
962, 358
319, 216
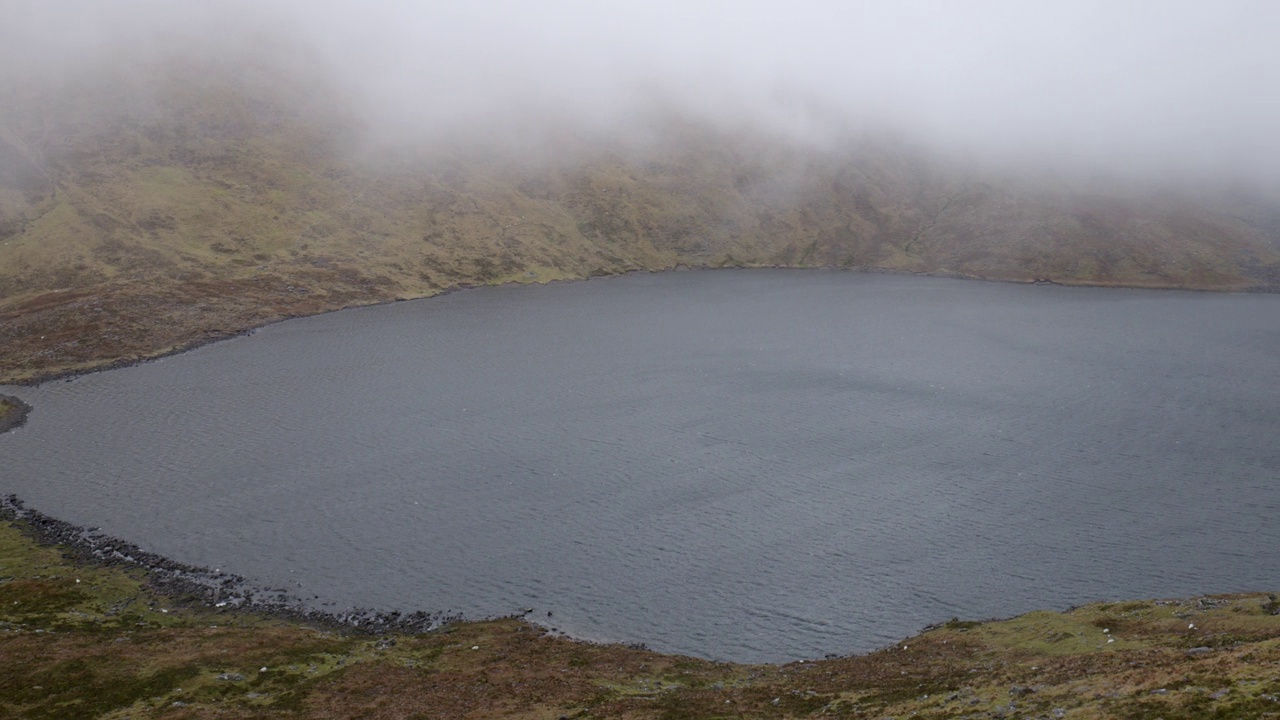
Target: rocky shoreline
80, 638
13, 413
193, 585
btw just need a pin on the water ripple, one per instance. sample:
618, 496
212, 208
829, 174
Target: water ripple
761, 465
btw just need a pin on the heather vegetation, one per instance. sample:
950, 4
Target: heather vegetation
80, 639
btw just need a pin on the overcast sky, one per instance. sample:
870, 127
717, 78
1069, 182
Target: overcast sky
1182, 82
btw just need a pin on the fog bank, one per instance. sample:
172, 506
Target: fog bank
1176, 87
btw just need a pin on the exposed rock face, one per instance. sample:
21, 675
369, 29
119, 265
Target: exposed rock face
13, 413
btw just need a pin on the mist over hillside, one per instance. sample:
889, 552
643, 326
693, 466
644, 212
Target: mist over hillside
173, 173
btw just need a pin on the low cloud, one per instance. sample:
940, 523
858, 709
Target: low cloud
1174, 87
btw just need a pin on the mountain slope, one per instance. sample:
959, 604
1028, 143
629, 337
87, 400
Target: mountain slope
147, 210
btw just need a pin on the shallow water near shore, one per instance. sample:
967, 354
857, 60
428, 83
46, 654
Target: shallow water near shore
750, 465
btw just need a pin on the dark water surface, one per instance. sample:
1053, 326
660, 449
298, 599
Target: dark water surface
750, 465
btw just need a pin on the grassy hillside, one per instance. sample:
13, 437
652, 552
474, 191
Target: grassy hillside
153, 207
